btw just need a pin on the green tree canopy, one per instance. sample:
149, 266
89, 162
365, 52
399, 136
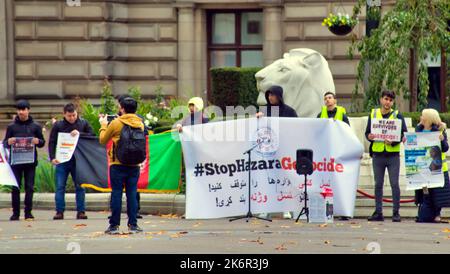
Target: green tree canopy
413, 28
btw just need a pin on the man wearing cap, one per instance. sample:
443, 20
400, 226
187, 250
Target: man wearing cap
23, 127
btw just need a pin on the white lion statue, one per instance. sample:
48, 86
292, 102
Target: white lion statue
304, 76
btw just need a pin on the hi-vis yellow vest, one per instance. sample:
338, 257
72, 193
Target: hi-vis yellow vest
378, 146
444, 159
339, 113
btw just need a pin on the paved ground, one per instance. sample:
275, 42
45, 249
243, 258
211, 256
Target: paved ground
171, 234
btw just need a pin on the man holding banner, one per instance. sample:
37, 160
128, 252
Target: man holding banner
385, 151
332, 110
22, 135
75, 126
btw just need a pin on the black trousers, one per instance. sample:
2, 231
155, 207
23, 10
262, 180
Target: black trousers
28, 172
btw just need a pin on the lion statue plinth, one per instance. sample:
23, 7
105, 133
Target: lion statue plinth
305, 77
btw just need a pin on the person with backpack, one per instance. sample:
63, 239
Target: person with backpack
146, 130
128, 151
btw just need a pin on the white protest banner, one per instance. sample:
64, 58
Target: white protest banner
6, 175
386, 129
65, 147
423, 162
217, 171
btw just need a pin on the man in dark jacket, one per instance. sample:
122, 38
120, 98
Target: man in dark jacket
276, 108
275, 104
23, 127
74, 125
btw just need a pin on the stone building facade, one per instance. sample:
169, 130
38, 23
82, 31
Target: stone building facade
53, 50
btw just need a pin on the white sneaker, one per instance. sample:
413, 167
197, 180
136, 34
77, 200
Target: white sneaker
263, 215
287, 215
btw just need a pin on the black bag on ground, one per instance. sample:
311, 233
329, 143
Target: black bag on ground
131, 148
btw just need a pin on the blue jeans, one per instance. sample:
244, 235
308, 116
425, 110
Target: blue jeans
120, 177
62, 173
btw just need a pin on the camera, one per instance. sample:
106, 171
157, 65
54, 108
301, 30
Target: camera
111, 117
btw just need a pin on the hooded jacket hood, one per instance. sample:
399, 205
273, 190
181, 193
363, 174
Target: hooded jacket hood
132, 120
198, 103
277, 91
27, 122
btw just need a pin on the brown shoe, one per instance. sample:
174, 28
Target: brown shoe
81, 215
58, 216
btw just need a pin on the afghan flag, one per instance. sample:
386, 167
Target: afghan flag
160, 172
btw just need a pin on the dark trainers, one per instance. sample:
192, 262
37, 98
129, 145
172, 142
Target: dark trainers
58, 216
376, 217
344, 218
29, 216
133, 229
138, 216
113, 230
14, 217
396, 217
81, 215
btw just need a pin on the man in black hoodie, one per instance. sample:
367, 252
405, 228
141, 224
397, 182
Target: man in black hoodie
276, 108
23, 126
275, 105
74, 125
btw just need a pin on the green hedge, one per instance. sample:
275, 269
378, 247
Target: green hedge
234, 87
415, 116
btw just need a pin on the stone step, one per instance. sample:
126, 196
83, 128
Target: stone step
364, 202
406, 212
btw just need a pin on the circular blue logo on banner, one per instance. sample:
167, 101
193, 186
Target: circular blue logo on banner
267, 141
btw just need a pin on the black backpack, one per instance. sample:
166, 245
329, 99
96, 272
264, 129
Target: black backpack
131, 148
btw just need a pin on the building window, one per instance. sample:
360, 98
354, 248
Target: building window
235, 39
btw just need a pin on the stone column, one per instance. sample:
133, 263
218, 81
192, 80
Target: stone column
273, 37
4, 47
186, 50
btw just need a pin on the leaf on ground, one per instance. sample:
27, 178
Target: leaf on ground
323, 225
169, 216
355, 226
96, 234
280, 247
447, 230
327, 242
259, 241
78, 226
197, 224
156, 232
285, 226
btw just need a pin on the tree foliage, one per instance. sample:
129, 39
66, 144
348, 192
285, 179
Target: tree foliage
412, 26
